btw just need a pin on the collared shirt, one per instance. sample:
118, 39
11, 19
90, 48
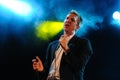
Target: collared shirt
54, 68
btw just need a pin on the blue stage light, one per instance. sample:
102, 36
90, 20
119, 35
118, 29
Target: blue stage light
17, 6
116, 15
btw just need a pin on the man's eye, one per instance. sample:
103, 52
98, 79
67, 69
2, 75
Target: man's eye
73, 20
67, 18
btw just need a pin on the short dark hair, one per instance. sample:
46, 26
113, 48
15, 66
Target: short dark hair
77, 14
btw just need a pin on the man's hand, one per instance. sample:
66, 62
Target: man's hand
64, 42
37, 64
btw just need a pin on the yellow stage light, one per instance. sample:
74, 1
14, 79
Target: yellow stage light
48, 29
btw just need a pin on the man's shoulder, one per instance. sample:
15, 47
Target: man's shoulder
84, 39
86, 43
54, 42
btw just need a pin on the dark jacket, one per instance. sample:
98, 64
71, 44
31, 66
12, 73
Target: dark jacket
73, 64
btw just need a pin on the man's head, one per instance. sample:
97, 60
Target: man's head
72, 22
77, 14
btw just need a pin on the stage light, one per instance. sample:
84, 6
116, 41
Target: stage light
17, 6
48, 29
116, 18
116, 15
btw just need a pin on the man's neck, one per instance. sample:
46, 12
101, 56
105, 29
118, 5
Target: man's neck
69, 34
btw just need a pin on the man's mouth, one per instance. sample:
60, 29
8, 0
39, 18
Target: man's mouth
67, 25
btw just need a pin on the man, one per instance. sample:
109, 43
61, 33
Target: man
67, 57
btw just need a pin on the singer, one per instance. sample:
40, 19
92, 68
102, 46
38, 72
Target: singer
67, 57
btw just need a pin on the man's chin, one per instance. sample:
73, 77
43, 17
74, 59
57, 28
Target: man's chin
66, 30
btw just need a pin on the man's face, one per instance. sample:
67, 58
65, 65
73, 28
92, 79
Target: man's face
70, 23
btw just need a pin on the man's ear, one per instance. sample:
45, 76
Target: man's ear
77, 27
